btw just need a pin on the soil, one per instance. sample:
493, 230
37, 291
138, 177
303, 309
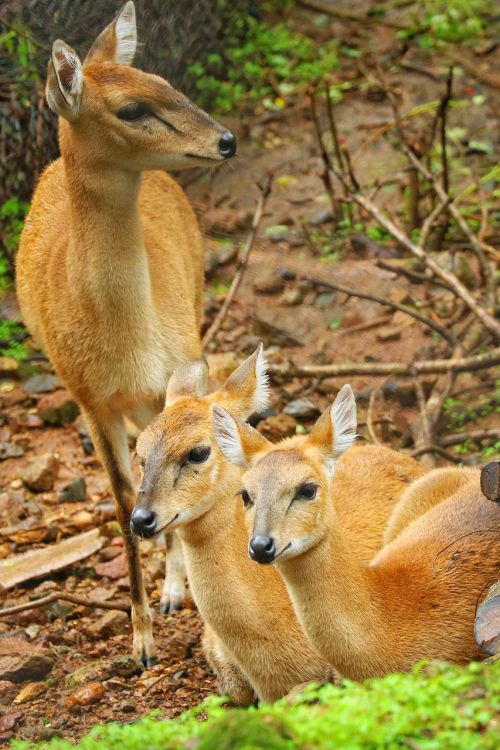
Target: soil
276, 302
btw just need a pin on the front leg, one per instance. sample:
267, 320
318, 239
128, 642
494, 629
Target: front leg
107, 430
175, 591
231, 680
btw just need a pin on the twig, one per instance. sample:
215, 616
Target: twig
63, 596
436, 449
405, 369
429, 222
265, 189
325, 7
388, 303
382, 320
369, 416
325, 174
461, 437
418, 278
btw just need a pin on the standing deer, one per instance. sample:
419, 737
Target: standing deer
417, 597
110, 264
253, 639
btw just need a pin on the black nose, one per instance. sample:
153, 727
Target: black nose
143, 522
227, 145
262, 549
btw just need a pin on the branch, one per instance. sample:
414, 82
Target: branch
460, 437
461, 364
265, 189
63, 596
326, 7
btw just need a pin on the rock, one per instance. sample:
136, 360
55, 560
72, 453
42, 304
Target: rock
320, 216
278, 233
58, 409
325, 300
113, 622
9, 721
271, 284
388, 333
7, 690
20, 661
41, 473
226, 220
41, 384
121, 666
87, 444
86, 695
274, 328
104, 512
302, 408
364, 247
8, 366
30, 691
221, 365
109, 553
128, 706
219, 254
286, 273
11, 507
83, 520
292, 297
113, 569
10, 450
74, 491
278, 427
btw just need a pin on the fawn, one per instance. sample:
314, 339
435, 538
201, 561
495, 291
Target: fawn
416, 598
110, 264
253, 642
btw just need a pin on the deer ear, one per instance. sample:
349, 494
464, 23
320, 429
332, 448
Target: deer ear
187, 380
237, 440
247, 388
335, 430
64, 81
118, 42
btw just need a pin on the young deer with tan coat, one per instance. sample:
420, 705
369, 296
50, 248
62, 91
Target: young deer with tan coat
418, 596
110, 265
254, 642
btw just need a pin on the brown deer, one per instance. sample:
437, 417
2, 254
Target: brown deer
253, 639
110, 264
416, 598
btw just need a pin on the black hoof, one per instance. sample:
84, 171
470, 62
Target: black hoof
169, 608
149, 661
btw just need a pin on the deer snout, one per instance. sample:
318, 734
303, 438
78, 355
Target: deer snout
262, 549
227, 145
143, 522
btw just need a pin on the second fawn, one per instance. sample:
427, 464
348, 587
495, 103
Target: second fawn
110, 264
416, 598
253, 641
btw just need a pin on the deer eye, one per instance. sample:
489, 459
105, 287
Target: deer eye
133, 112
247, 500
198, 455
307, 491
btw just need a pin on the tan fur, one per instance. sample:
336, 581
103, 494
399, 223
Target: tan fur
246, 606
417, 597
110, 264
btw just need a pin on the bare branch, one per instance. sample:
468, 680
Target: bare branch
63, 596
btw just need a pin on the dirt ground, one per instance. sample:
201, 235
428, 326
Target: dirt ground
294, 316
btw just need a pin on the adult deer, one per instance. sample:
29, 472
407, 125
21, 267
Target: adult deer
110, 265
417, 597
253, 641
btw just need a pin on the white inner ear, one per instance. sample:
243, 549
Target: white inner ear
262, 390
126, 35
65, 57
227, 436
343, 415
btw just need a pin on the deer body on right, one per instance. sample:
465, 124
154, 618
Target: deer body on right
254, 640
416, 598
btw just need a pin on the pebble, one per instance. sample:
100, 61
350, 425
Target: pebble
41, 473
325, 300
20, 661
301, 408
320, 216
10, 450
271, 284
388, 333
113, 622
292, 297
41, 384
278, 427
86, 695
74, 491
30, 691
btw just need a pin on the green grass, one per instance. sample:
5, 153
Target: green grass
437, 707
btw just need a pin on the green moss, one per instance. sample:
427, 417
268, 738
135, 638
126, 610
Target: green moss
436, 707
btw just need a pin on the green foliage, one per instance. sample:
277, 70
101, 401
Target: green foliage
9, 345
452, 21
432, 708
261, 65
12, 215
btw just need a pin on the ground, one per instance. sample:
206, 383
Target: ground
278, 302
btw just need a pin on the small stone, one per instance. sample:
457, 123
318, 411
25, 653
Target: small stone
9, 721
30, 691
83, 520
109, 553
113, 569
40, 384
271, 284
278, 427
301, 408
351, 318
86, 695
10, 450
74, 491
114, 622
292, 297
325, 300
121, 666
8, 366
278, 233
286, 273
128, 706
58, 409
388, 333
321, 216
41, 473
104, 512
20, 661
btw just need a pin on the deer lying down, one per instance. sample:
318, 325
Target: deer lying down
254, 642
416, 599
110, 264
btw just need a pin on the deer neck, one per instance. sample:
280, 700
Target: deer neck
337, 603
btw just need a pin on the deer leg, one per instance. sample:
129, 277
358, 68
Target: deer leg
231, 680
109, 436
174, 587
